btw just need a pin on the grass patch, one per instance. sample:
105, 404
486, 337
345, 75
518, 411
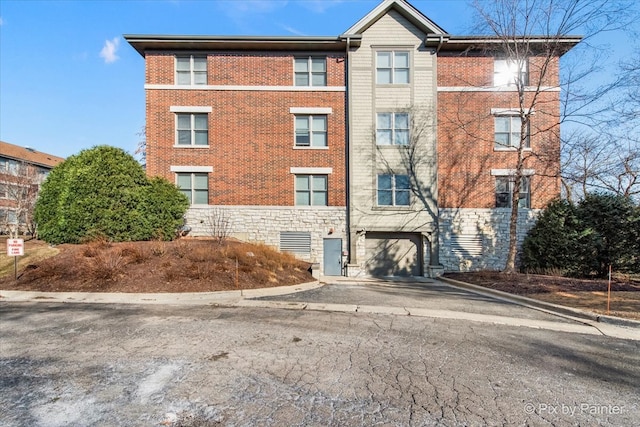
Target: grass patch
34, 252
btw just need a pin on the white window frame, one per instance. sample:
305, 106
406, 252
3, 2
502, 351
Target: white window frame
192, 72
192, 119
393, 69
310, 190
510, 72
513, 132
395, 192
395, 131
311, 132
192, 172
525, 184
309, 73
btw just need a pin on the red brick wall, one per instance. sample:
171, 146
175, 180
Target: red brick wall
255, 69
466, 152
455, 69
251, 133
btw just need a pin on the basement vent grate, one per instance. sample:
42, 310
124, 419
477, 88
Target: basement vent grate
296, 242
467, 244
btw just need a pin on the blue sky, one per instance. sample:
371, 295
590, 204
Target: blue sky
69, 81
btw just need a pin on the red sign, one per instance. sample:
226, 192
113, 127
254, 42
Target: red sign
15, 247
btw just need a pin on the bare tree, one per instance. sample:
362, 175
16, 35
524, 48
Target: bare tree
604, 155
217, 225
600, 162
531, 35
141, 148
19, 186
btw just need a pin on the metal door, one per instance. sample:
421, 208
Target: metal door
332, 257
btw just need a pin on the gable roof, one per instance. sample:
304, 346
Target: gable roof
409, 12
28, 155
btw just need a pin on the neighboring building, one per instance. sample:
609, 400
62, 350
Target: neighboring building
349, 150
22, 170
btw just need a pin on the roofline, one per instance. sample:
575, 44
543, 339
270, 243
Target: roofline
460, 43
405, 8
53, 160
142, 43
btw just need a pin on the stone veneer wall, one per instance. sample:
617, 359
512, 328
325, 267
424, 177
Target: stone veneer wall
485, 237
262, 224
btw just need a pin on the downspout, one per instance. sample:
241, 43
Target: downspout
347, 131
434, 261
440, 43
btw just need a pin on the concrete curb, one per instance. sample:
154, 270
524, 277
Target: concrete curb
244, 299
187, 298
570, 312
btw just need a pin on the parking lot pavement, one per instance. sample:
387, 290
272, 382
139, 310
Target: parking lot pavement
166, 365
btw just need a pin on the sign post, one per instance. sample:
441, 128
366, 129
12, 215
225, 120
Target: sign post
15, 248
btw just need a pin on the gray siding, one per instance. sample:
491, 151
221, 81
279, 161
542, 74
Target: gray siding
367, 160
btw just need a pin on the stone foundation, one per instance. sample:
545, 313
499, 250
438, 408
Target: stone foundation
478, 239
263, 224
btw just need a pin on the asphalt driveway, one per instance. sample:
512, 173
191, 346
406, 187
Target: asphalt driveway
430, 294
170, 365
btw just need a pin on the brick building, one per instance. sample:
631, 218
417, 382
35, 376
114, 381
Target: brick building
22, 170
386, 150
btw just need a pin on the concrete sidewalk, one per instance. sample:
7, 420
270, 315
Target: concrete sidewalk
559, 319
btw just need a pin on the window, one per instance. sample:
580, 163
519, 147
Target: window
311, 190
510, 72
8, 165
504, 191
310, 71
392, 129
507, 132
311, 131
8, 216
192, 129
195, 186
191, 70
392, 67
4, 191
393, 190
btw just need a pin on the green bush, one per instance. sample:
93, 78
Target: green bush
164, 207
584, 239
551, 243
104, 191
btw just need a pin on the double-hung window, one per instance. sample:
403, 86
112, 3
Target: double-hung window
311, 190
310, 71
392, 67
191, 70
192, 129
393, 190
508, 72
311, 130
508, 132
504, 192
392, 129
195, 186
8, 165
8, 216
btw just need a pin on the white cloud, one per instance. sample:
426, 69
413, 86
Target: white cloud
293, 30
1, 21
257, 6
244, 12
320, 6
109, 50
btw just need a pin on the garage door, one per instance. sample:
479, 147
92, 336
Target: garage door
393, 254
